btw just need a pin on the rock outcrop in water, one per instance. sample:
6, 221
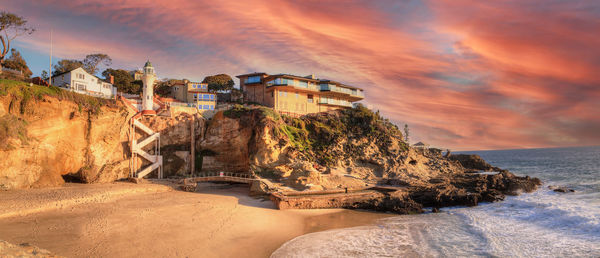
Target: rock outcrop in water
473, 163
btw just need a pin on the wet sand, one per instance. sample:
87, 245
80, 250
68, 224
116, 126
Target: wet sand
152, 220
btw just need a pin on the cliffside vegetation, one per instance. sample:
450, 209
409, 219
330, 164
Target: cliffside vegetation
316, 135
29, 94
21, 101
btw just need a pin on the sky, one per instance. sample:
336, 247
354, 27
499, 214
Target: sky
463, 74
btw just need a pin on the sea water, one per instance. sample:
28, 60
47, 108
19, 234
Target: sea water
539, 224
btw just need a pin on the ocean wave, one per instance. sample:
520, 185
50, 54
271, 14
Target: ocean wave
542, 224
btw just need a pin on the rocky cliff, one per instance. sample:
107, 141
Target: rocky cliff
350, 149
322, 151
48, 135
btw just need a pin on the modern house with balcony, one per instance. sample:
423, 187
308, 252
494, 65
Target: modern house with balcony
195, 94
296, 94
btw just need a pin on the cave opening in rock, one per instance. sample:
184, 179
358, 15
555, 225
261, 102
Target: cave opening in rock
72, 178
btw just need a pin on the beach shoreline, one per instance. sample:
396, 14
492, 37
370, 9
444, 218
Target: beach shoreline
127, 220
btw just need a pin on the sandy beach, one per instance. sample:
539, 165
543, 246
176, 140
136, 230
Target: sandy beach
154, 220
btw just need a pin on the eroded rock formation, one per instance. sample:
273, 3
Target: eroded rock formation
60, 138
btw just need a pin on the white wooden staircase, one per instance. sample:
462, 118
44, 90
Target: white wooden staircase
137, 149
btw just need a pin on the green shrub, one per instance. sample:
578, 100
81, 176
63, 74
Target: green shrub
270, 113
297, 136
236, 111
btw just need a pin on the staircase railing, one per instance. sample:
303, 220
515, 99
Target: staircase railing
137, 149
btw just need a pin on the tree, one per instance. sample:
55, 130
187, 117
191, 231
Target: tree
163, 88
123, 80
11, 26
44, 75
66, 65
91, 62
219, 82
406, 131
16, 62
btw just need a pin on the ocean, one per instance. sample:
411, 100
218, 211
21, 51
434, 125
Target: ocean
539, 224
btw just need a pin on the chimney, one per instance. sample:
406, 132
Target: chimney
111, 79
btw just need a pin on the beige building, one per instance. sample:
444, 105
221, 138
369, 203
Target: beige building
297, 95
195, 94
137, 75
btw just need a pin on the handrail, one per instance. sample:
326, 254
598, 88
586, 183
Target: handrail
224, 174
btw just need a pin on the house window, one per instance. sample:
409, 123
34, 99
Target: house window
206, 107
310, 98
80, 87
297, 96
253, 79
285, 93
280, 93
212, 97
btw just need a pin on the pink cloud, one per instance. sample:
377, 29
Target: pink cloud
463, 74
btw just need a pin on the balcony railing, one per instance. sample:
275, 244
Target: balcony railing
335, 88
295, 83
335, 102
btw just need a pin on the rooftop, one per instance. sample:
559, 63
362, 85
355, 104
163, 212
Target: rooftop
250, 74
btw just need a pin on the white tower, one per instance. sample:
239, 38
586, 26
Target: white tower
148, 94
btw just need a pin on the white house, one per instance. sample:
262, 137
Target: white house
80, 81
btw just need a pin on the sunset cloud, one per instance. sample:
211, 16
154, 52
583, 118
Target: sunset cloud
462, 74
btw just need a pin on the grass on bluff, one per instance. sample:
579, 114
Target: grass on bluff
36, 92
236, 111
15, 127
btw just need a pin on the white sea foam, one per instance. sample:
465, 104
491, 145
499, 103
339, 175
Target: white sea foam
542, 224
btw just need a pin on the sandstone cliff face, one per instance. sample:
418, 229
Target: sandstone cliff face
176, 140
225, 145
349, 149
322, 151
62, 138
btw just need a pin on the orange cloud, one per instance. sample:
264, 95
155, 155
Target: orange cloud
463, 74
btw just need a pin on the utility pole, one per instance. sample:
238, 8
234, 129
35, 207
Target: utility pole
192, 147
50, 69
